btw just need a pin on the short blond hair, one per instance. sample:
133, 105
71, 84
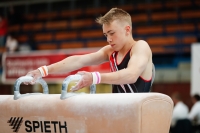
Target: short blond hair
115, 14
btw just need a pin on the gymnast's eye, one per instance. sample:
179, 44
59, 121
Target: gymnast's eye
112, 33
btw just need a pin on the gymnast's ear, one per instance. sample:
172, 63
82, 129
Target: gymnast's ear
128, 30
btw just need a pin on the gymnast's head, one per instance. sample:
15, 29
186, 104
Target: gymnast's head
116, 23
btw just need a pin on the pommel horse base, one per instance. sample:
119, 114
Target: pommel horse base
86, 113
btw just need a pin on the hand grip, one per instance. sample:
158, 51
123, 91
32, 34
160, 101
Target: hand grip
17, 94
66, 82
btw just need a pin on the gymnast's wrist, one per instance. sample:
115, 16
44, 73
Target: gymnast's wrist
43, 71
96, 78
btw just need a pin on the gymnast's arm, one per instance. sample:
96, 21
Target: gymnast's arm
72, 63
136, 66
78, 61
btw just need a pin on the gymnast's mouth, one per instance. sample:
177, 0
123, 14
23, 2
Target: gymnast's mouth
112, 45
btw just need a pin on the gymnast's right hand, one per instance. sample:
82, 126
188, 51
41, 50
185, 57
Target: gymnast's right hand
35, 74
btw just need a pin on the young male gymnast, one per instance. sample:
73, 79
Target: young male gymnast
130, 60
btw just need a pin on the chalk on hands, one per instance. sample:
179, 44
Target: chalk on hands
73, 88
32, 82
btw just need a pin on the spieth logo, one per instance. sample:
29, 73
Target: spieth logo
38, 126
15, 123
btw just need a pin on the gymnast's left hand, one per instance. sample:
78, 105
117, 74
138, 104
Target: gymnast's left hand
85, 81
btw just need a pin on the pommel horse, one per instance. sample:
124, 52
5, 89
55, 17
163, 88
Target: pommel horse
84, 113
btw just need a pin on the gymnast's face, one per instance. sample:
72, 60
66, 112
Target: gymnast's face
116, 34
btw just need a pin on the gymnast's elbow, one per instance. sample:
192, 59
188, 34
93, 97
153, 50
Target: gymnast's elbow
129, 78
132, 78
